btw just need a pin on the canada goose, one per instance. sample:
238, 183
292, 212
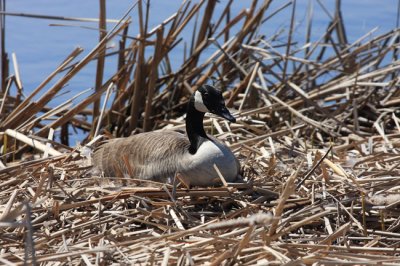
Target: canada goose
160, 155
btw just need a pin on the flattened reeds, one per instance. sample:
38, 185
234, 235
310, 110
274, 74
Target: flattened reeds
317, 134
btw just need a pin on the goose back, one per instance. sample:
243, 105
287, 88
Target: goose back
152, 155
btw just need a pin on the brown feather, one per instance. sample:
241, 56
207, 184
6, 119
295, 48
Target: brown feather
151, 155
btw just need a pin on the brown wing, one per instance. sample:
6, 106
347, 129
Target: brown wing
152, 155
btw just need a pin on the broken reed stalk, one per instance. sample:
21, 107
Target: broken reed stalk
138, 84
4, 57
100, 58
20, 112
153, 78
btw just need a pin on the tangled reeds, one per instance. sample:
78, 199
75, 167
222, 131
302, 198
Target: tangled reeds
317, 133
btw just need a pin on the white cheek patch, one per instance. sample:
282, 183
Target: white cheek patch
198, 103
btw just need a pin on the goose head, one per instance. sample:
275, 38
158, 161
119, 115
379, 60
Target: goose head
209, 99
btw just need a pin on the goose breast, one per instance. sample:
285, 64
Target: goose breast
199, 167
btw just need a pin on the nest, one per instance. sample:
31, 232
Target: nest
317, 134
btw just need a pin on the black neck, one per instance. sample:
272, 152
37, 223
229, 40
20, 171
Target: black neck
194, 128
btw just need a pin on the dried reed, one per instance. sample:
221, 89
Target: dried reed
317, 134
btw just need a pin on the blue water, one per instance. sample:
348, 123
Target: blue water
40, 47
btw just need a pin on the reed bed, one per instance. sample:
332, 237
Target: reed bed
317, 134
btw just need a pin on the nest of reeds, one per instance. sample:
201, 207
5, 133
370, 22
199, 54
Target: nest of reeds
317, 134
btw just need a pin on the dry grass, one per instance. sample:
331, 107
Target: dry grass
317, 134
